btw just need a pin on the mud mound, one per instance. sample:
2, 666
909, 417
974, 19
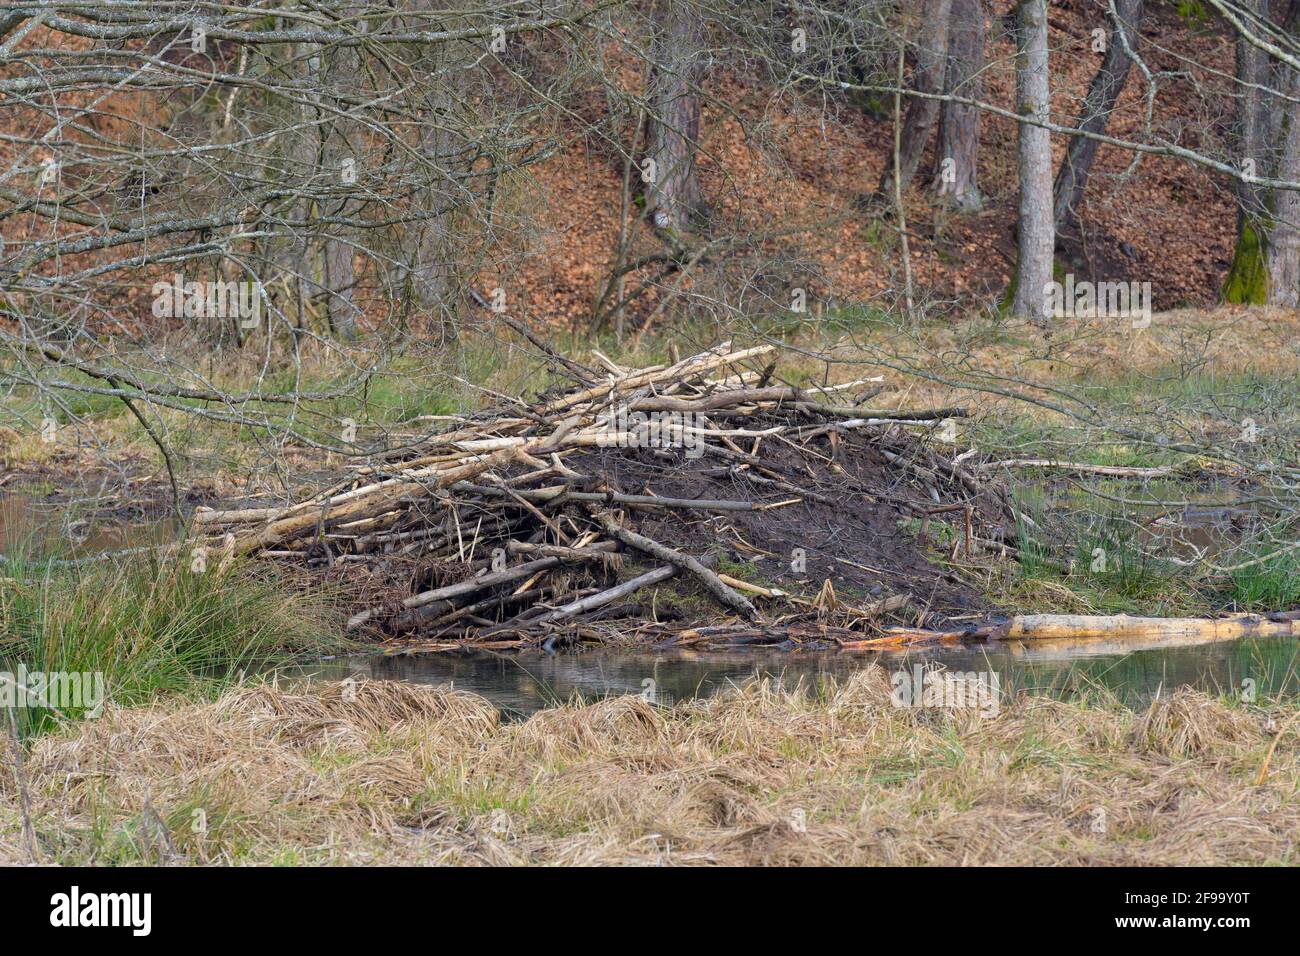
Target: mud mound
833, 507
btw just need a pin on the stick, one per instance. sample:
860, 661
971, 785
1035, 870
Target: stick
758, 589
602, 598
725, 595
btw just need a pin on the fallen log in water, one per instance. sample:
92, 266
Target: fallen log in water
1152, 631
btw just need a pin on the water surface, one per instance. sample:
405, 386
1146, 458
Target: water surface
523, 683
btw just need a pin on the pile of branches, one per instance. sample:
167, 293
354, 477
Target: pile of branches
512, 541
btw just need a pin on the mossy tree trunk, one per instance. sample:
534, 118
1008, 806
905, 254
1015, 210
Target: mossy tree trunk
1266, 261
1247, 281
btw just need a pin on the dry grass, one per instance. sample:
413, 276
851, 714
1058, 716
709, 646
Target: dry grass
399, 773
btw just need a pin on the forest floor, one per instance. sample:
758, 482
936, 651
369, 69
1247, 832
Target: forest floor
796, 177
395, 773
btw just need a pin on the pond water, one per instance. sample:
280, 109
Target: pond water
520, 684
39, 528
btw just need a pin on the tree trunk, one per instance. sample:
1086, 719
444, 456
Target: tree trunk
1284, 241
959, 125
1037, 239
1266, 261
429, 256
342, 159
928, 77
1247, 279
1107, 84
673, 190
301, 160
431, 272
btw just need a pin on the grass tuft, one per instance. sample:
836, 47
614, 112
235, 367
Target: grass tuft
152, 627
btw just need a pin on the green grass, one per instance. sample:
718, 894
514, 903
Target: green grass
1271, 586
1095, 561
1115, 567
152, 627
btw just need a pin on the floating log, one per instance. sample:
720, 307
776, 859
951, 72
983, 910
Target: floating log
1153, 631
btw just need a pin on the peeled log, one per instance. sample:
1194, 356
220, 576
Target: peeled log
1153, 631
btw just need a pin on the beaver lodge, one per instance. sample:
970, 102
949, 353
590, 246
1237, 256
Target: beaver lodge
701, 503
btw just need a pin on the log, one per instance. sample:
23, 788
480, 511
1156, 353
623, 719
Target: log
354, 505
470, 585
1109, 471
1154, 631
727, 398
460, 588
695, 365
611, 498
558, 551
885, 415
603, 598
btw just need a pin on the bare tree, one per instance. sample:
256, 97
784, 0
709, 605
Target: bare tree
928, 77
674, 199
1284, 239
1037, 240
1098, 104
959, 123
343, 163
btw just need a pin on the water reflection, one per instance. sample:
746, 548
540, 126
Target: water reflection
40, 529
524, 683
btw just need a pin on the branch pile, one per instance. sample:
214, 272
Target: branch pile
516, 523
